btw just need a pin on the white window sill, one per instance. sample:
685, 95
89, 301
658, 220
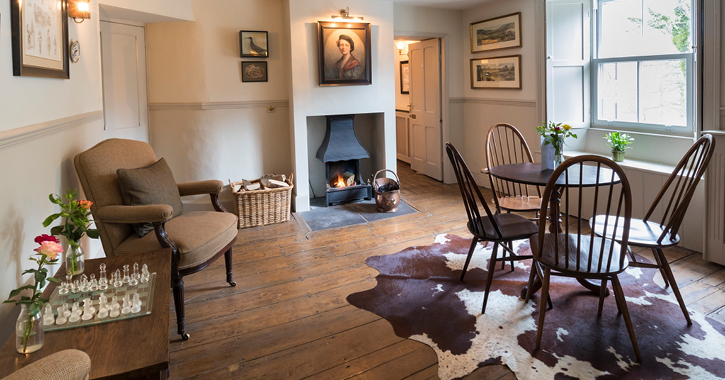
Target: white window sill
644, 166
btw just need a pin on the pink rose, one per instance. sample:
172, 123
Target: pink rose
50, 249
40, 239
85, 204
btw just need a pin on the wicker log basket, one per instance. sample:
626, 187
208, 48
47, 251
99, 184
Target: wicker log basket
262, 207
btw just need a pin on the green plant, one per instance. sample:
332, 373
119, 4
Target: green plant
618, 141
76, 214
554, 133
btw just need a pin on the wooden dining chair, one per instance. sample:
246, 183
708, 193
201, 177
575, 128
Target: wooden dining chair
582, 254
672, 202
500, 229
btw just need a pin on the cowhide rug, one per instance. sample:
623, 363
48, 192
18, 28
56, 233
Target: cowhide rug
418, 291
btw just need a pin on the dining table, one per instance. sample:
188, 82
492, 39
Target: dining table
575, 176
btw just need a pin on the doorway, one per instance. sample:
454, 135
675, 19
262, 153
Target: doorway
419, 106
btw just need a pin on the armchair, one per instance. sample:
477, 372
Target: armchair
196, 238
63, 365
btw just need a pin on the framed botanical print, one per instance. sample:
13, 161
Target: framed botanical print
496, 72
40, 38
253, 44
344, 53
404, 77
496, 33
254, 71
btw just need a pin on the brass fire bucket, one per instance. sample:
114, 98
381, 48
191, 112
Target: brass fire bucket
387, 192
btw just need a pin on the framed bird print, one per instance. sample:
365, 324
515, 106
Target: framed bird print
344, 53
253, 44
40, 38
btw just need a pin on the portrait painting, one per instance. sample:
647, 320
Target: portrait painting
253, 44
344, 53
496, 72
496, 33
40, 38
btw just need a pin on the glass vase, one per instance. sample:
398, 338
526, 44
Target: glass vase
74, 260
558, 152
29, 333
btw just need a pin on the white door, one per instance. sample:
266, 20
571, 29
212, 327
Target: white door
123, 59
425, 108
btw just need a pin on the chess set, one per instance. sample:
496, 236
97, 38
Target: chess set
83, 301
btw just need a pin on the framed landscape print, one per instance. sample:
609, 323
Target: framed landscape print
404, 77
254, 71
40, 38
496, 72
253, 44
496, 33
344, 53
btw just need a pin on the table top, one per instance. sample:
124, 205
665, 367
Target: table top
531, 174
128, 348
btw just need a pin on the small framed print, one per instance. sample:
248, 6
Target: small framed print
496, 33
404, 77
40, 38
254, 71
253, 44
496, 72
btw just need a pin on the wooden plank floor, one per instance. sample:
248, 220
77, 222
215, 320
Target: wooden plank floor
287, 318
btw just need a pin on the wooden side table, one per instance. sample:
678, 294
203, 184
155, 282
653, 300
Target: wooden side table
126, 349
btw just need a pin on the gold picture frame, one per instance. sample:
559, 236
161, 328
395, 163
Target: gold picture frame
496, 33
345, 54
496, 72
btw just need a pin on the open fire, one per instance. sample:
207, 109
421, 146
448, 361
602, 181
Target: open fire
344, 180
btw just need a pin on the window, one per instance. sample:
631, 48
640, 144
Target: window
643, 65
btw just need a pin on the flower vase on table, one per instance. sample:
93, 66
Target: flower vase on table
29, 333
74, 260
552, 137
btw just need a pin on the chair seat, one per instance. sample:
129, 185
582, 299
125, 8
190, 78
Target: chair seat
199, 235
512, 226
567, 264
519, 203
641, 233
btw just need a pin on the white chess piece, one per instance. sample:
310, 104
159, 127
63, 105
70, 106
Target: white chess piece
145, 275
126, 304
136, 303
103, 281
75, 314
48, 317
114, 307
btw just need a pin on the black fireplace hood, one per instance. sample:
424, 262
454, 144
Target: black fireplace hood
341, 143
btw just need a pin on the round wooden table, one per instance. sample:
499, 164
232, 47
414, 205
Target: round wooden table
531, 174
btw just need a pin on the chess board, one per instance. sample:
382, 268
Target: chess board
145, 291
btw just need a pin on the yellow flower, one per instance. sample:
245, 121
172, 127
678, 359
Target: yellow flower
566, 127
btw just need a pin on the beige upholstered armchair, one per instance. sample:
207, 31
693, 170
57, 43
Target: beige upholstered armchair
63, 365
196, 238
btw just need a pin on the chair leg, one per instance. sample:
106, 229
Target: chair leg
602, 294
627, 320
530, 286
491, 267
511, 247
503, 256
542, 308
673, 284
470, 254
228, 263
177, 284
661, 267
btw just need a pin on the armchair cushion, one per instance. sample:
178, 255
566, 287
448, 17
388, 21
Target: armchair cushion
134, 214
150, 185
63, 365
199, 235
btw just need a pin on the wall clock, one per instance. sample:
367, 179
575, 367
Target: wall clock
75, 51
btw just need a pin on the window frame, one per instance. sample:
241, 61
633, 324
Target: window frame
691, 80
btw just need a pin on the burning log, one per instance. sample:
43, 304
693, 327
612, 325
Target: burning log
348, 178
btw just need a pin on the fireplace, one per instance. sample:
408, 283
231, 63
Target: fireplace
341, 152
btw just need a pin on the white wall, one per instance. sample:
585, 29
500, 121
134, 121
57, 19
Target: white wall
204, 120
310, 99
147, 10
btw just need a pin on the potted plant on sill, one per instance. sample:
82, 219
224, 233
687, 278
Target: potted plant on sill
618, 141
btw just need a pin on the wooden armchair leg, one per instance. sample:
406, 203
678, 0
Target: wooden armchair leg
228, 263
177, 285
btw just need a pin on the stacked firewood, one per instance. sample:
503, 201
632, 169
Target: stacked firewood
268, 181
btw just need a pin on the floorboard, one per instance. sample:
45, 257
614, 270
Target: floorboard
287, 318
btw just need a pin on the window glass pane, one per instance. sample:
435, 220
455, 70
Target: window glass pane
644, 27
618, 91
663, 92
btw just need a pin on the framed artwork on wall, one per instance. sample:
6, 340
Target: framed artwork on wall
496, 33
253, 44
40, 38
254, 71
404, 77
344, 53
496, 72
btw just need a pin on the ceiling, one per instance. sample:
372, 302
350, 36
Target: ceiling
446, 4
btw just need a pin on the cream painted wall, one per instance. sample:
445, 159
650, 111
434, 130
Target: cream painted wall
175, 9
310, 99
204, 120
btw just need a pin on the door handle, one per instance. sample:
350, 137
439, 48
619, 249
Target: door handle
412, 116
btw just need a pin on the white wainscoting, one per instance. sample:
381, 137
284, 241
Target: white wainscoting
402, 135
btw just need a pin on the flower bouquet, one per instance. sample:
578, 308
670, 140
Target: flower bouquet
29, 329
553, 134
76, 215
